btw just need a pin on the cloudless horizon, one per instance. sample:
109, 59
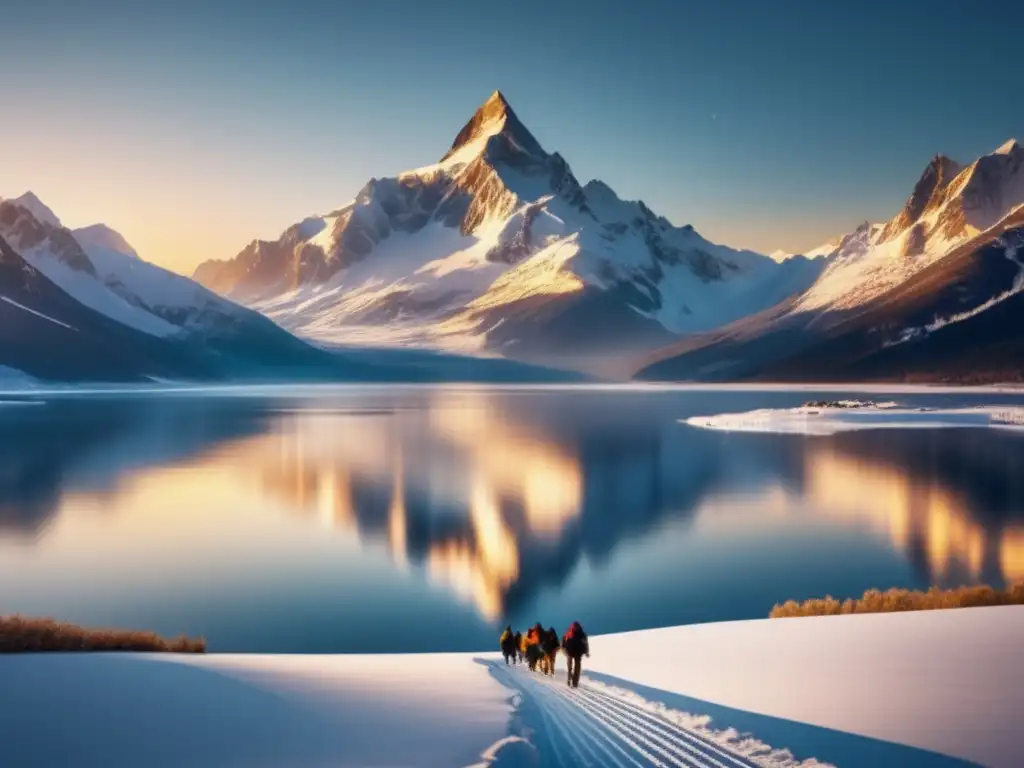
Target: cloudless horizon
193, 127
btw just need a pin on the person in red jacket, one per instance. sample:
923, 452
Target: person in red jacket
575, 646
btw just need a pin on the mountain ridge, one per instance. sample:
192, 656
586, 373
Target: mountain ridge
95, 311
493, 249
891, 291
107, 315
497, 250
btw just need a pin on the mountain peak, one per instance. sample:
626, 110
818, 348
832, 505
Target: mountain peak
102, 237
495, 117
941, 170
37, 208
928, 192
497, 100
1008, 148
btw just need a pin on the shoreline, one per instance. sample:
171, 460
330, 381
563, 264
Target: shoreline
299, 388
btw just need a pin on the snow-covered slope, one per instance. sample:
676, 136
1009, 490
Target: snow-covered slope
97, 312
98, 267
949, 205
928, 689
48, 334
173, 298
55, 252
498, 247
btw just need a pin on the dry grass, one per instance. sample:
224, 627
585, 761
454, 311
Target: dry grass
875, 601
23, 635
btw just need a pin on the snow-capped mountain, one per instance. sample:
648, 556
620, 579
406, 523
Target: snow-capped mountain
950, 204
896, 298
47, 334
498, 247
81, 305
98, 267
92, 309
39, 210
54, 251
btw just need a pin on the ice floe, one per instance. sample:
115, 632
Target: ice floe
828, 418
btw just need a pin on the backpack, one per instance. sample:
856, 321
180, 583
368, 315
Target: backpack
575, 639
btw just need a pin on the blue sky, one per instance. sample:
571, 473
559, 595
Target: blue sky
193, 127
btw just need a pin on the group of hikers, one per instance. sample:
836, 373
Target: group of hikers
539, 648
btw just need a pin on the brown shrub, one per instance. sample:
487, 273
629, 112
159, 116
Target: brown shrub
19, 634
875, 601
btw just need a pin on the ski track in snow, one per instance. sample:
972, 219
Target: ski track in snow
598, 725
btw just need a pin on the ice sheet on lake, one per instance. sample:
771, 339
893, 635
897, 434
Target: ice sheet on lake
812, 420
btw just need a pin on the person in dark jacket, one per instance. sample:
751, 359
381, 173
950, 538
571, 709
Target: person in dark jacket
519, 646
507, 641
576, 646
550, 647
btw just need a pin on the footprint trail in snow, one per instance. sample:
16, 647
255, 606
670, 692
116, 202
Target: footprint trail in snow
591, 725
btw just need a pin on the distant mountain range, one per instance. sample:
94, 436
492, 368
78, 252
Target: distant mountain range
497, 251
80, 305
933, 294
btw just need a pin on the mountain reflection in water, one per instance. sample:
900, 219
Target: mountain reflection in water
953, 505
500, 497
456, 486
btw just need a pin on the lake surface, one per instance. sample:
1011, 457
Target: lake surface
320, 519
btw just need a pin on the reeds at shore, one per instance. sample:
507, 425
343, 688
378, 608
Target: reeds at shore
893, 600
19, 634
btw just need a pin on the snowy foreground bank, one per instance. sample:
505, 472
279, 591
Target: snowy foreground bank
914, 689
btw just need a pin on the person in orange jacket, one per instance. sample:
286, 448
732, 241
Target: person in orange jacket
532, 647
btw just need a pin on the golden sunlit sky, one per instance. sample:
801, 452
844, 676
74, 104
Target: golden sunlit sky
193, 128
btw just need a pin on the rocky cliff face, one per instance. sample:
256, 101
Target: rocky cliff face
928, 194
